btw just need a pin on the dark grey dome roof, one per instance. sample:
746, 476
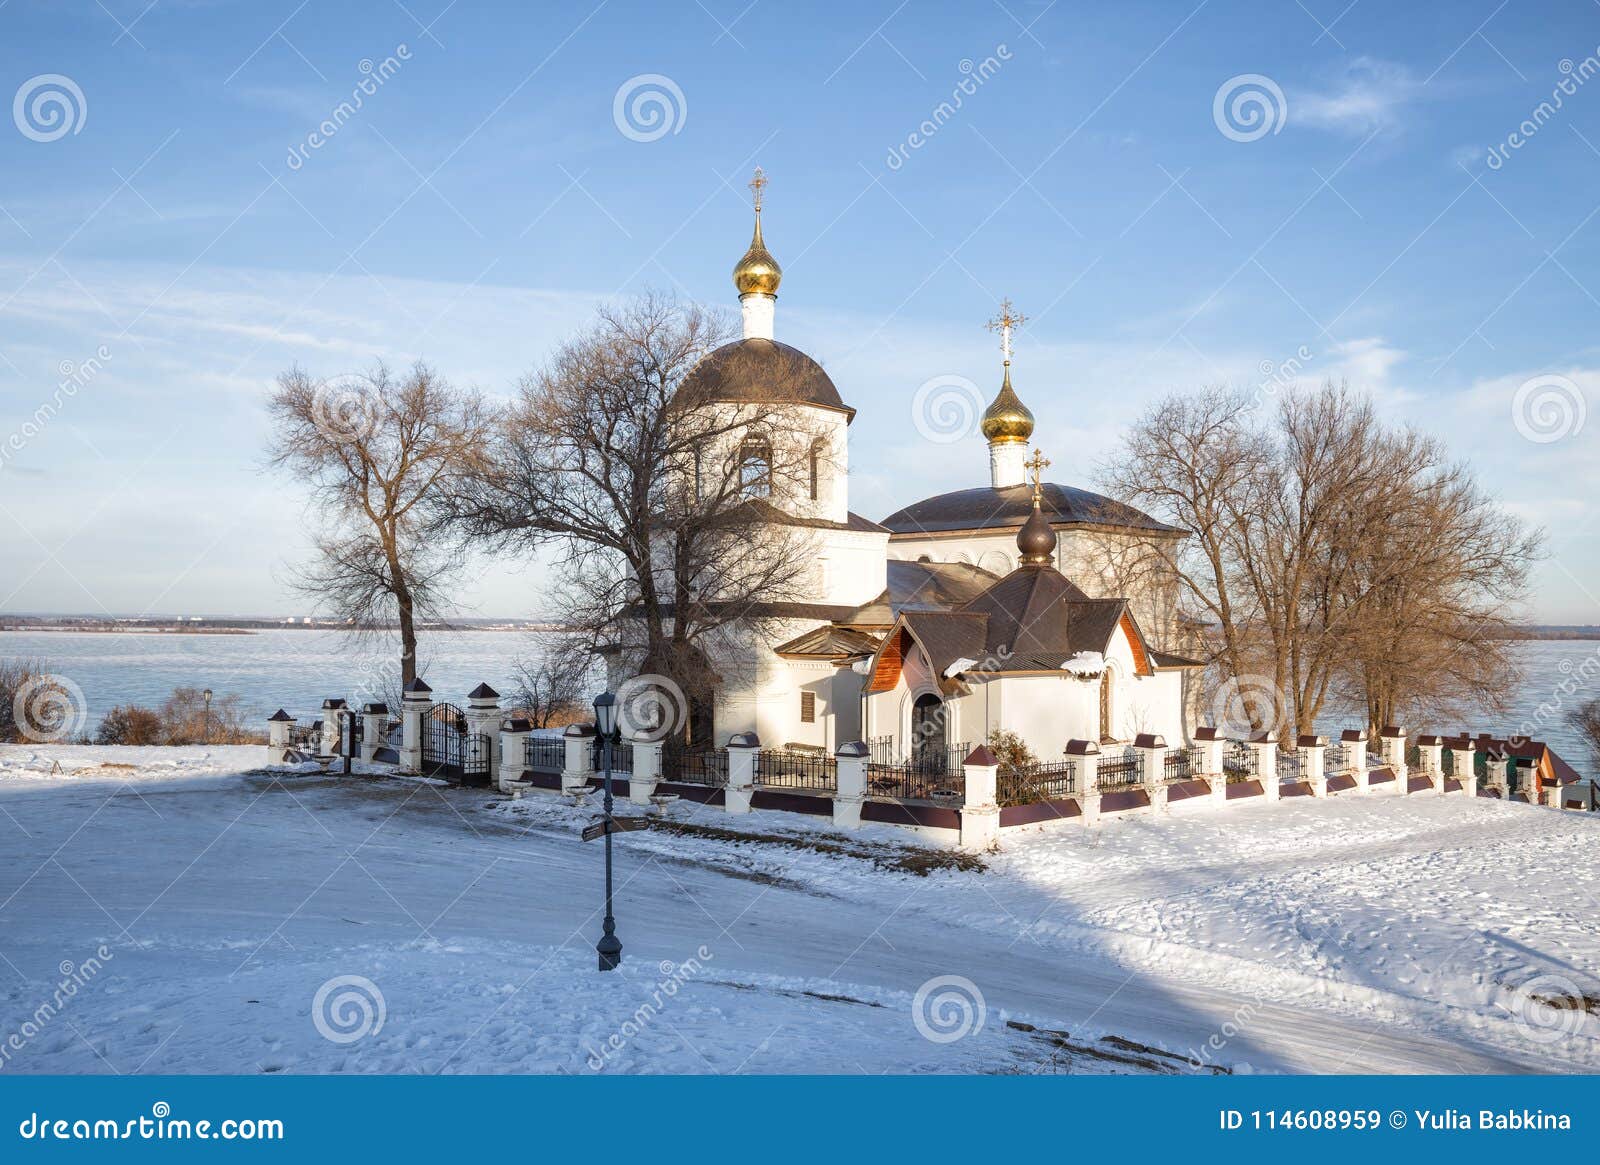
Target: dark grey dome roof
760, 370
989, 508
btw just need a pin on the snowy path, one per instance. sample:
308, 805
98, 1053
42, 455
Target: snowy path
1347, 936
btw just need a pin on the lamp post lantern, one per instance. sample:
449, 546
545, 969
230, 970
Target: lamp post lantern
609, 948
206, 724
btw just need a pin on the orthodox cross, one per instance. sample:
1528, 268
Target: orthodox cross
1008, 318
1037, 464
756, 185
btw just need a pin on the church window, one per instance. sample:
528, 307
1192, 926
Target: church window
755, 468
816, 468
808, 707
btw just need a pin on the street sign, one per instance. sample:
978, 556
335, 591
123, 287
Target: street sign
599, 829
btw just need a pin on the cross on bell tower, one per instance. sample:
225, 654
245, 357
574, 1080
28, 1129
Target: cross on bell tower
757, 184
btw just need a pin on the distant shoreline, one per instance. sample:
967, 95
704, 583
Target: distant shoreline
251, 627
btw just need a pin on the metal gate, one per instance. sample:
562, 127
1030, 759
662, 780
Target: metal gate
452, 752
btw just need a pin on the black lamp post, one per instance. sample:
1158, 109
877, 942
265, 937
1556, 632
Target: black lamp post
609, 947
206, 696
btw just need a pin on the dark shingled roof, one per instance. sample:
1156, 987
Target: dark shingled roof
761, 370
1032, 620
987, 508
922, 586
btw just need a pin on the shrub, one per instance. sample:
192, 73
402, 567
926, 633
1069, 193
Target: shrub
131, 724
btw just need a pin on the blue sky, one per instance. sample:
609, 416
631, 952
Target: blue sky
484, 199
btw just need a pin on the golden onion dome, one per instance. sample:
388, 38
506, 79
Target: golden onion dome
1007, 420
758, 272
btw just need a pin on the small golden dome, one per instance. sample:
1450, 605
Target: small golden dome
758, 272
1007, 420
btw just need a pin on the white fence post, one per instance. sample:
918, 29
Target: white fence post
1086, 753
483, 718
1462, 757
980, 811
1355, 757
1152, 752
743, 750
374, 719
852, 768
579, 765
1430, 758
514, 733
646, 773
278, 725
417, 702
332, 710
1211, 745
1264, 747
1314, 763
1392, 740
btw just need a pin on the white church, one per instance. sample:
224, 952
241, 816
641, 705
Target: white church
1013, 605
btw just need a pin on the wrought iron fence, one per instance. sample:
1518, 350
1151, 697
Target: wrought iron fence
547, 754
695, 766
1037, 782
306, 736
1289, 765
779, 768
928, 775
1336, 758
1239, 761
1117, 772
1181, 763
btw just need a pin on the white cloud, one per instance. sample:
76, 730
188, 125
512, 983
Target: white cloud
1370, 95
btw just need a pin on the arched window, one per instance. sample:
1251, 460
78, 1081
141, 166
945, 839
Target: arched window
818, 448
755, 468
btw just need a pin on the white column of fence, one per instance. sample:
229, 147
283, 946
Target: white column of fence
1086, 755
1151, 750
579, 764
483, 719
414, 711
278, 726
646, 770
332, 711
1392, 740
1211, 746
1314, 763
374, 720
514, 733
851, 761
980, 809
744, 749
1264, 748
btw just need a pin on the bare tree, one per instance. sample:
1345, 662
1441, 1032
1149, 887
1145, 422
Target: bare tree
1333, 555
655, 491
551, 683
378, 451
1585, 721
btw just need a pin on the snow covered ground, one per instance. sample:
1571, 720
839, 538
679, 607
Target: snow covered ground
188, 910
